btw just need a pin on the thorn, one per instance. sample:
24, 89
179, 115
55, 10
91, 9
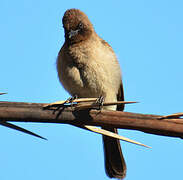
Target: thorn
111, 134
12, 126
2, 93
171, 116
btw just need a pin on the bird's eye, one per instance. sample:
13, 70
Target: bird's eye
80, 25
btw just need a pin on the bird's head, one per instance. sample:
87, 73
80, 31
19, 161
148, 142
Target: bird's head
77, 26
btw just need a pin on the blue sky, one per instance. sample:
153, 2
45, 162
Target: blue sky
147, 37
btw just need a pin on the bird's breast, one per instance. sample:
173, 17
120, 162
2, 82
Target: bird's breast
90, 71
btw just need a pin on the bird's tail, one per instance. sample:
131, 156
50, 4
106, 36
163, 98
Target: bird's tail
115, 165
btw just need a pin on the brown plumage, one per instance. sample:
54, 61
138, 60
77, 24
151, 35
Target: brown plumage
87, 67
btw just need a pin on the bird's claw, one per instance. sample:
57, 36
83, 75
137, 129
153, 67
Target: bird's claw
71, 99
56, 106
100, 102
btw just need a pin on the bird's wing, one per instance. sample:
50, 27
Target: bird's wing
120, 97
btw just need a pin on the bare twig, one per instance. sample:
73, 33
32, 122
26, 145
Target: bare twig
33, 112
77, 102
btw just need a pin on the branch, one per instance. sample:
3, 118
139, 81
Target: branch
33, 112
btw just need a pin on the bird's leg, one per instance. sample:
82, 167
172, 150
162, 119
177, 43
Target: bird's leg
71, 99
60, 104
67, 101
100, 102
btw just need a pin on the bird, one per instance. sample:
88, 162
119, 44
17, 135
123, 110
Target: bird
88, 67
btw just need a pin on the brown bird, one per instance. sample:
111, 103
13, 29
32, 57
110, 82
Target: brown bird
87, 67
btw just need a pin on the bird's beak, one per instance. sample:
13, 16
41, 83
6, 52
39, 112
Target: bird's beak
73, 33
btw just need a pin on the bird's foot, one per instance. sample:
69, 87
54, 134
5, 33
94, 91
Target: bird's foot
71, 99
100, 102
61, 104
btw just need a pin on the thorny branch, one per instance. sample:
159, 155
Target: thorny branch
33, 112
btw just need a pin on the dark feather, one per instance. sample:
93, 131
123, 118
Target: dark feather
114, 161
